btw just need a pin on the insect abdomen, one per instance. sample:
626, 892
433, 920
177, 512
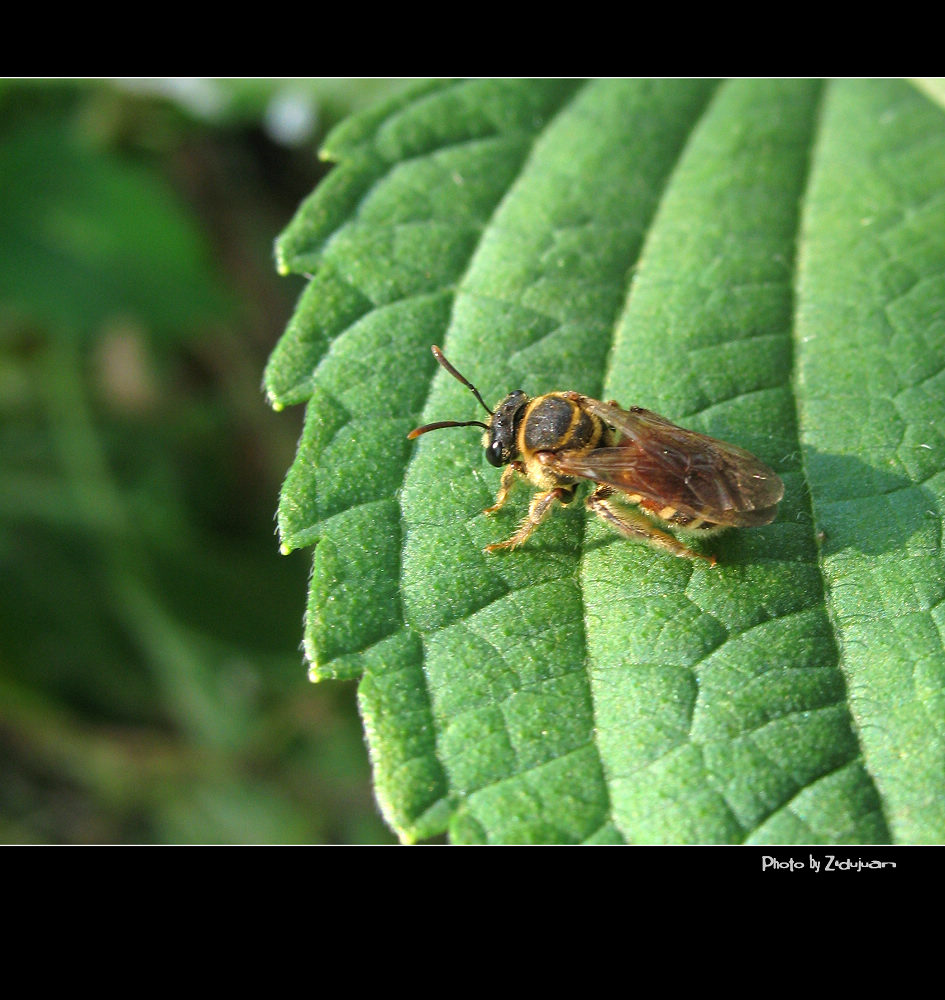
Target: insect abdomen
669, 514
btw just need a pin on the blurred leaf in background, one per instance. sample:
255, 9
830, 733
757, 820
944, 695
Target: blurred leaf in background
151, 687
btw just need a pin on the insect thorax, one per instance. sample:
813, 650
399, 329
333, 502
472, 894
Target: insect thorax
553, 423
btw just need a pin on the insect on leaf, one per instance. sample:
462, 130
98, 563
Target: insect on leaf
759, 261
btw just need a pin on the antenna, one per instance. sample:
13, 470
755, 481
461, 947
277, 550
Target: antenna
441, 358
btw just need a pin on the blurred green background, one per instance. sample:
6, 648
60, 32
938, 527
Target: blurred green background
152, 689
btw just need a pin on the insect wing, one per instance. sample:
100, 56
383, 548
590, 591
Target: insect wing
695, 474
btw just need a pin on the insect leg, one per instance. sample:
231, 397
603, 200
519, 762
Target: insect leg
508, 479
636, 526
540, 506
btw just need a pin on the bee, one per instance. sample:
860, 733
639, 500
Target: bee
674, 477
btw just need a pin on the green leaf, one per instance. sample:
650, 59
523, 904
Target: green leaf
761, 261
111, 232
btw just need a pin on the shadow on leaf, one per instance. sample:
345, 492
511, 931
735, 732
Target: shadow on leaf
870, 509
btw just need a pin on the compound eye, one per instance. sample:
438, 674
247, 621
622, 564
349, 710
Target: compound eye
494, 454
